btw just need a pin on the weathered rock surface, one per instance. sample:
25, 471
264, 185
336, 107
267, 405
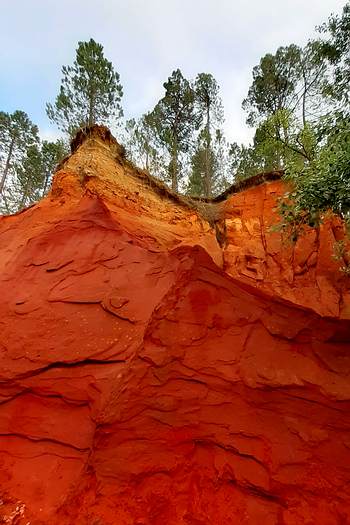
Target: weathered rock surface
151, 376
305, 273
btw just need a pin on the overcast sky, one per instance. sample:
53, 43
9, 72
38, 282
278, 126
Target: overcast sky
146, 40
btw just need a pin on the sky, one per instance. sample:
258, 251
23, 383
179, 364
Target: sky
147, 40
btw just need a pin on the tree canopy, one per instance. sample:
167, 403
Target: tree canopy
90, 91
174, 118
26, 163
299, 101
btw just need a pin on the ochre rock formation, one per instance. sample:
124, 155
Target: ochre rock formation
305, 273
169, 363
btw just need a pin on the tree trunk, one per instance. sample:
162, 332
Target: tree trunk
46, 182
304, 109
174, 175
147, 160
91, 121
278, 155
207, 181
24, 198
23, 201
304, 100
7, 166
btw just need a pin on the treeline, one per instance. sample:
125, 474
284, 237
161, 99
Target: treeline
182, 139
26, 162
298, 105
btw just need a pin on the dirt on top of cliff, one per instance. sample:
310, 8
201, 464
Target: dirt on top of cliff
101, 134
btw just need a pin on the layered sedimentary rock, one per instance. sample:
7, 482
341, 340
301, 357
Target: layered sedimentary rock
166, 362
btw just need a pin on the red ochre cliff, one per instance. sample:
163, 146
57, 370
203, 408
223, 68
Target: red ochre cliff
164, 363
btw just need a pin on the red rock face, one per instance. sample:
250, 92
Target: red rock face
305, 273
150, 377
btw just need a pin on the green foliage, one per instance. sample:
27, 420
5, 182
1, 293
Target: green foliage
34, 174
286, 102
142, 147
274, 84
179, 137
17, 135
335, 48
174, 119
299, 102
311, 104
195, 186
218, 164
279, 141
51, 154
30, 169
243, 161
208, 100
222, 177
90, 91
342, 254
30, 177
320, 185
211, 114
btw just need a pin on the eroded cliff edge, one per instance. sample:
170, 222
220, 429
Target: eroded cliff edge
169, 364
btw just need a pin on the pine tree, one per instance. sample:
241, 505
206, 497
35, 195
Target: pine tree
141, 145
52, 153
174, 119
196, 181
30, 173
223, 178
30, 177
274, 85
219, 162
335, 48
90, 91
212, 115
17, 134
243, 161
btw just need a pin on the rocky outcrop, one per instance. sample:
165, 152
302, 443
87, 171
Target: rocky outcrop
306, 273
168, 362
